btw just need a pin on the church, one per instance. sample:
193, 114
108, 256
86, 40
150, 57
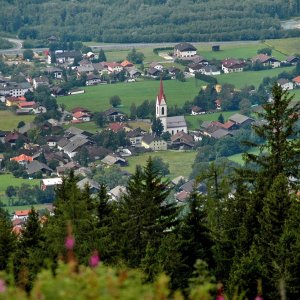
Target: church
171, 124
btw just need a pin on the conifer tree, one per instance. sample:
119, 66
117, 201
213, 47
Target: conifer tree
7, 239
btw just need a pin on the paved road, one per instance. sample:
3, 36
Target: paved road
18, 49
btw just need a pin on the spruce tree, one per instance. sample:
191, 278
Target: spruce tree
7, 239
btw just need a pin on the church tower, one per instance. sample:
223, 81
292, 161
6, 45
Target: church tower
161, 106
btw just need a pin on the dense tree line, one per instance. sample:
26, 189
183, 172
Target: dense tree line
147, 21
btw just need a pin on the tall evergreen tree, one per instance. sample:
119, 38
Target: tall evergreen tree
7, 239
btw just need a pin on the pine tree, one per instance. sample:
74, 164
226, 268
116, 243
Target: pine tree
102, 56
7, 239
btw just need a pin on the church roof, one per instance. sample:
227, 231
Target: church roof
161, 96
176, 121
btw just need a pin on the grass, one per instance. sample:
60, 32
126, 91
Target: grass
242, 79
194, 121
96, 98
180, 163
9, 120
287, 46
243, 51
238, 158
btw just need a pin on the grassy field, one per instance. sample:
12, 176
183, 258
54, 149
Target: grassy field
287, 46
96, 98
238, 158
194, 121
250, 77
180, 163
12, 209
243, 51
9, 121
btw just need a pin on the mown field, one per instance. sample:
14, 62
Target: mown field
180, 163
9, 121
286, 46
96, 98
250, 77
9, 179
238, 158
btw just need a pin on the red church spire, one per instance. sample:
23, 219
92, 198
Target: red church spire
161, 94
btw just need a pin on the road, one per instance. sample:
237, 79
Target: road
18, 49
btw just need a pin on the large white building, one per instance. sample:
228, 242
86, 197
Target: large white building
171, 124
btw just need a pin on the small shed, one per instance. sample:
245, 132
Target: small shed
215, 48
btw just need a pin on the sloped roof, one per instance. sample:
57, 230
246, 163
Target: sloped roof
161, 95
185, 47
176, 121
239, 119
36, 166
22, 157
87, 181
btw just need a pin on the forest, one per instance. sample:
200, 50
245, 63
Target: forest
239, 239
147, 20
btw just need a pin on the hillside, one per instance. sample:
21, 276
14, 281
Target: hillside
147, 20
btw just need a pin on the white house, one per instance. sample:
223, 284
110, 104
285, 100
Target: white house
230, 65
184, 50
21, 214
154, 142
285, 84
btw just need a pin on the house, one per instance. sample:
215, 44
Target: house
87, 69
82, 116
14, 101
65, 57
116, 126
285, 84
113, 115
154, 143
50, 182
241, 120
21, 214
15, 89
75, 143
134, 73
135, 137
182, 196
266, 61
182, 140
53, 71
184, 50
157, 66
12, 137
113, 67
62, 170
220, 133
296, 81
27, 104
126, 64
196, 110
218, 103
40, 81
154, 73
196, 68
117, 192
97, 152
231, 65
112, 159
22, 159
92, 79
293, 60
94, 186
51, 141
36, 166
211, 70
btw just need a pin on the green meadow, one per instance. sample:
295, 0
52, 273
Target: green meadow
180, 162
96, 98
9, 120
255, 78
287, 46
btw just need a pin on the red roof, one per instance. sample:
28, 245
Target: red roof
22, 157
21, 213
80, 114
126, 63
228, 125
27, 104
161, 96
116, 126
77, 109
296, 79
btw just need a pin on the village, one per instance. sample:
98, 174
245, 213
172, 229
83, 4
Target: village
52, 145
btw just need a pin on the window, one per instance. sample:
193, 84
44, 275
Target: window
162, 110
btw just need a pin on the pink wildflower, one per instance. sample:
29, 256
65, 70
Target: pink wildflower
70, 242
259, 298
94, 259
2, 286
220, 297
